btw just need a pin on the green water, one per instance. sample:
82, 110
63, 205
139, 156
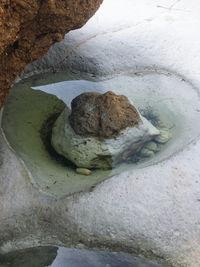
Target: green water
64, 257
29, 114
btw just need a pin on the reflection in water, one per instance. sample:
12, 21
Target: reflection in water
64, 257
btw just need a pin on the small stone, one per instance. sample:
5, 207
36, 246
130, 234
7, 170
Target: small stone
102, 115
152, 146
83, 171
146, 153
49, 20
163, 137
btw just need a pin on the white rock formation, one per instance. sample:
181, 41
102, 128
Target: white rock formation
92, 152
152, 210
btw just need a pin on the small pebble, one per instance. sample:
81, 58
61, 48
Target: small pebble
146, 153
152, 146
163, 137
83, 171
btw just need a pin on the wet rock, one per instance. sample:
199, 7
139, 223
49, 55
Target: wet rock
149, 149
95, 152
146, 153
29, 27
152, 146
163, 137
103, 115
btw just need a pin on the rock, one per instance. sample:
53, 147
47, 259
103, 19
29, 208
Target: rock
94, 152
83, 171
149, 149
29, 27
163, 137
152, 146
146, 153
103, 115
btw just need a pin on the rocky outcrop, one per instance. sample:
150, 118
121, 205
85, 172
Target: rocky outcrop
29, 27
95, 152
103, 115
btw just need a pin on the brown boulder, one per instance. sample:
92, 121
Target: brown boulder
29, 27
103, 115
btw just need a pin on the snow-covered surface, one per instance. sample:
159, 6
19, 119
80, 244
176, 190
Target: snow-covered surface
153, 210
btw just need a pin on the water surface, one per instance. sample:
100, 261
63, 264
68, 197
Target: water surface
65, 257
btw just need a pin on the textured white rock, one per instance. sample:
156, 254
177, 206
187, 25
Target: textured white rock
92, 152
154, 209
